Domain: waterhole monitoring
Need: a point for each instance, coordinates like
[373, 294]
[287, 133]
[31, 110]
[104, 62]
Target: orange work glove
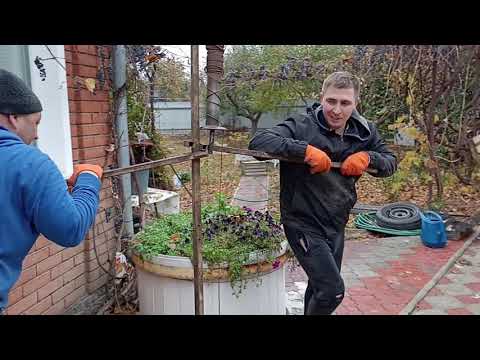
[78, 169]
[355, 164]
[317, 159]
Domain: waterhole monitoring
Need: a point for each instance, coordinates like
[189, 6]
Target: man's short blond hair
[342, 80]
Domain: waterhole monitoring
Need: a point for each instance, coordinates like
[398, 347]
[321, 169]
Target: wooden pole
[196, 201]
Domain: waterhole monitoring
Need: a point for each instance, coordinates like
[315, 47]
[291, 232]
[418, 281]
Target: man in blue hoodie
[34, 196]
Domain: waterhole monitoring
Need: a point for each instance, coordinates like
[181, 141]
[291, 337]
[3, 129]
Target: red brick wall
[54, 278]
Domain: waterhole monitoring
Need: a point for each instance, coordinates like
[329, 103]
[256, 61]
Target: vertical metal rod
[196, 203]
[121, 123]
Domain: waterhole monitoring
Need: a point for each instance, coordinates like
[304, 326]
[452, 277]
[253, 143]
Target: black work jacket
[321, 203]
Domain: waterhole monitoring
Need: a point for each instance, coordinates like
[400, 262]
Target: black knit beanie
[15, 96]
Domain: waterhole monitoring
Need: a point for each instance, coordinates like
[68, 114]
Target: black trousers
[321, 259]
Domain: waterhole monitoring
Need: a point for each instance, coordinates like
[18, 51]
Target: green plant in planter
[230, 235]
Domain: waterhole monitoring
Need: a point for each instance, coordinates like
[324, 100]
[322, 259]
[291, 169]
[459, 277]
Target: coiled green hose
[367, 221]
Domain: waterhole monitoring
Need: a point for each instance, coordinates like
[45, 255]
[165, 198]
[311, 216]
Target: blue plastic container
[433, 233]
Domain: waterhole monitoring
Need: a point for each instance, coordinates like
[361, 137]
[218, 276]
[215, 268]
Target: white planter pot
[165, 287]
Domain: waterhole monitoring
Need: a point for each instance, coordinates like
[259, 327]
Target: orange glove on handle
[317, 159]
[355, 164]
[78, 169]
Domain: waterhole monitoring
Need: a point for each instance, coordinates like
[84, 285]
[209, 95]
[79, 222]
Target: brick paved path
[458, 292]
[381, 275]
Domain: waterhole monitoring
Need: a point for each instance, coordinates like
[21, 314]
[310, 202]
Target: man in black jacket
[315, 200]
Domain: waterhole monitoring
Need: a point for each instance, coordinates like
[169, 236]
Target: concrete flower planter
[165, 287]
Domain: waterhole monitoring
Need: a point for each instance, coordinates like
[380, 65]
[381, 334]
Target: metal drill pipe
[263, 155]
[196, 182]
[153, 164]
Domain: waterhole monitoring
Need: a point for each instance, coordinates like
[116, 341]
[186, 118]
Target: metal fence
[174, 117]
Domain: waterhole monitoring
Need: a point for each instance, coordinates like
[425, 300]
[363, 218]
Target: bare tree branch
[55, 58]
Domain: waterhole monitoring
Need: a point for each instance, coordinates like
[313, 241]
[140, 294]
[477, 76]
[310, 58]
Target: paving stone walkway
[381, 275]
[458, 292]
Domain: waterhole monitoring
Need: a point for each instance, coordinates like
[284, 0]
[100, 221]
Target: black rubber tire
[399, 216]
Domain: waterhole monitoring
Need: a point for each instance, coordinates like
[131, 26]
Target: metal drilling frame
[199, 151]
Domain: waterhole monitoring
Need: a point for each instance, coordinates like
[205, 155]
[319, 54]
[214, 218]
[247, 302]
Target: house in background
[76, 127]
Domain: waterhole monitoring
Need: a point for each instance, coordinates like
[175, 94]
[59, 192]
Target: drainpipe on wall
[121, 125]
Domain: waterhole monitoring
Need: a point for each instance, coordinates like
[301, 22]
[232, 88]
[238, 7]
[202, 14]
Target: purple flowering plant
[231, 236]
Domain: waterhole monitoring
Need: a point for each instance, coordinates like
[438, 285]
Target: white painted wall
[54, 129]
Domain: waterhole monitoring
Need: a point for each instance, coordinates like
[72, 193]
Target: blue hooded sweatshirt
[34, 200]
